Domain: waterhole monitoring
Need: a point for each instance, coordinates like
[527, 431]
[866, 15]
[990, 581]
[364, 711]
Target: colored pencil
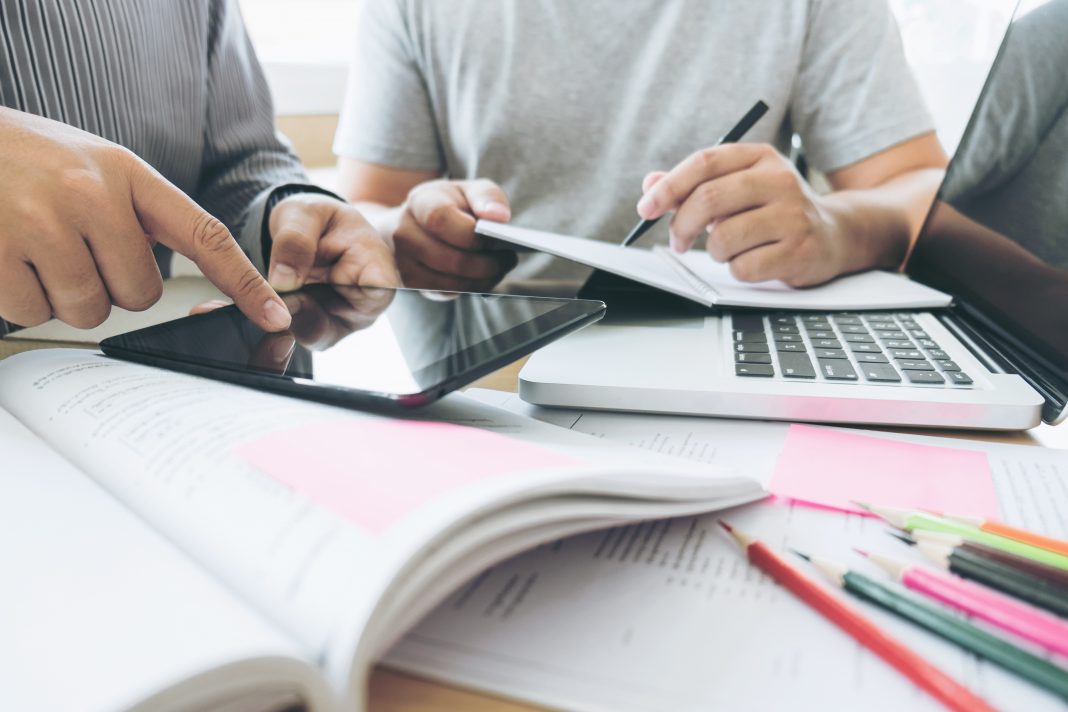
[733, 136]
[969, 565]
[1011, 532]
[1050, 575]
[980, 602]
[904, 519]
[925, 675]
[912, 608]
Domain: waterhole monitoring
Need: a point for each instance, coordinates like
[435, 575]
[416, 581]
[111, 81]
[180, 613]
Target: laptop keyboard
[877, 348]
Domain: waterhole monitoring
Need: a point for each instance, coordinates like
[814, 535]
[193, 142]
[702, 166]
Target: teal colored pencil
[904, 519]
[899, 601]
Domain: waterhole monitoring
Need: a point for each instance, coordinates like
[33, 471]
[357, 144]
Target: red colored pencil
[929, 678]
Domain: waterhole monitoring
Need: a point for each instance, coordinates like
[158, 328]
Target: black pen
[733, 136]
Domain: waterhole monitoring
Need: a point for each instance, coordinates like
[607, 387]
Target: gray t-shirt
[567, 104]
[1011, 171]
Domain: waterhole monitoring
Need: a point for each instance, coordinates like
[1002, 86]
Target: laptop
[995, 358]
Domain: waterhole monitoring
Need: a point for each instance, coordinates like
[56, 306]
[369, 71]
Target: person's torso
[590, 96]
[130, 71]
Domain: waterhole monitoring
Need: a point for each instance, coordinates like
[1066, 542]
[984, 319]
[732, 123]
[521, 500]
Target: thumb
[652, 179]
[171, 218]
[487, 200]
[296, 227]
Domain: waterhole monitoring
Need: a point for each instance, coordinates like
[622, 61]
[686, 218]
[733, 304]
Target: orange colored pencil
[1010, 532]
[925, 675]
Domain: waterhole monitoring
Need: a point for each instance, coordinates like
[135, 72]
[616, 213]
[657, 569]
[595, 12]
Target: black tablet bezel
[488, 356]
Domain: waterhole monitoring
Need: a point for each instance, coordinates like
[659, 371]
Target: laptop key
[923, 377]
[751, 348]
[753, 369]
[859, 339]
[881, 318]
[747, 322]
[865, 348]
[895, 335]
[750, 337]
[785, 329]
[948, 366]
[831, 353]
[795, 365]
[853, 328]
[752, 358]
[915, 365]
[847, 319]
[882, 372]
[938, 355]
[787, 338]
[885, 326]
[961, 379]
[928, 344]
[826, 343]
[814, 317]
[822, 334]
[895, 344]
[919, 334]
[871, 358]
[911, 355]
[790, 347]
[783, 319]
[837, 370]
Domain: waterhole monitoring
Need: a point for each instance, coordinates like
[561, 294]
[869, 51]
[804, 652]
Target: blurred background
[305, 48]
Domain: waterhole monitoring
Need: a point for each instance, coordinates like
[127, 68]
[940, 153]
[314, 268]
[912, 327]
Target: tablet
[361, 347]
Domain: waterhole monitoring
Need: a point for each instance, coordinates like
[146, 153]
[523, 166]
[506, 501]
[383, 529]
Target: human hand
[435, 239]
[317, 238]
[80, 217]
[760, 215]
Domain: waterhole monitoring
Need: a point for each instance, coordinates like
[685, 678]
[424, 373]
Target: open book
[173, 543]
[696, 276]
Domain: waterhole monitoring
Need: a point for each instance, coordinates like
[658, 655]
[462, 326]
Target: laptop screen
[997, 236]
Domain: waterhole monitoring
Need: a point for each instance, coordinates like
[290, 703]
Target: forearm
[877, 226]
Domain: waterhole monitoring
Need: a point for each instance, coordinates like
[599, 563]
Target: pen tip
[806, 557]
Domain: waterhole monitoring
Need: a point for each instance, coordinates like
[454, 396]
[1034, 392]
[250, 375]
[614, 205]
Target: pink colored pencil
[999, 610]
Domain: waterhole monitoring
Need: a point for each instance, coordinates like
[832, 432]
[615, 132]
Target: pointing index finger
[673, 189]
[171, 217]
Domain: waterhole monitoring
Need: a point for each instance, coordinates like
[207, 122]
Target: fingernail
[276, 315]
[499, 209]
[676, 245]
[646, 206]
[284, 278]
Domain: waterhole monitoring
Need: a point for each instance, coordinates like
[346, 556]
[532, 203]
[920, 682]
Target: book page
[99, 612]
[869, 290]
[172, 448]
[669, 615]
[636, 263]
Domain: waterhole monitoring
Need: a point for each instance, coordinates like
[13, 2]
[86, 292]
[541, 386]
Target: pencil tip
[862, 505]
[861, 552]
[806, 557]
[903, 538]
[726, 526]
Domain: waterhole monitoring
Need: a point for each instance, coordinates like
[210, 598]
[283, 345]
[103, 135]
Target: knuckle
[249, 281]
[742, 270]
[710, 194]
[82, 184]
[707, 158]
[144, 297]
[210, 236]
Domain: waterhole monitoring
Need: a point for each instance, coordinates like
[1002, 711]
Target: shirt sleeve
[855, 94]
[245, 158]
[388, 116]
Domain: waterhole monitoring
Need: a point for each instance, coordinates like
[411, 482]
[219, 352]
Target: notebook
[694, 275]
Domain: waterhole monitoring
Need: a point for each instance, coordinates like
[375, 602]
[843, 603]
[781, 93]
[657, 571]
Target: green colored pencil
[904, 519]
[901, 602]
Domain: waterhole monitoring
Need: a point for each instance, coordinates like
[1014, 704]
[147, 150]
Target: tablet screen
[381, 341]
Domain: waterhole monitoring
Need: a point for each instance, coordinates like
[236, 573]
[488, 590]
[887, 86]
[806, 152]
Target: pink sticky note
[374, 473]
[830, 468]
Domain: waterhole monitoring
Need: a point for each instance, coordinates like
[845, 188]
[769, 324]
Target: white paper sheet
[668, 615]
[99, 612]
[696, 276]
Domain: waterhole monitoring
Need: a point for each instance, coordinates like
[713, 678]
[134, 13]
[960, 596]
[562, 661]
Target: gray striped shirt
[175, 81]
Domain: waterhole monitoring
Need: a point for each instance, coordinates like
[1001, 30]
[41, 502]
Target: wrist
[867, 235]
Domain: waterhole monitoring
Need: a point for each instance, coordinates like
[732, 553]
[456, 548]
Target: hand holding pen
[760, 215]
